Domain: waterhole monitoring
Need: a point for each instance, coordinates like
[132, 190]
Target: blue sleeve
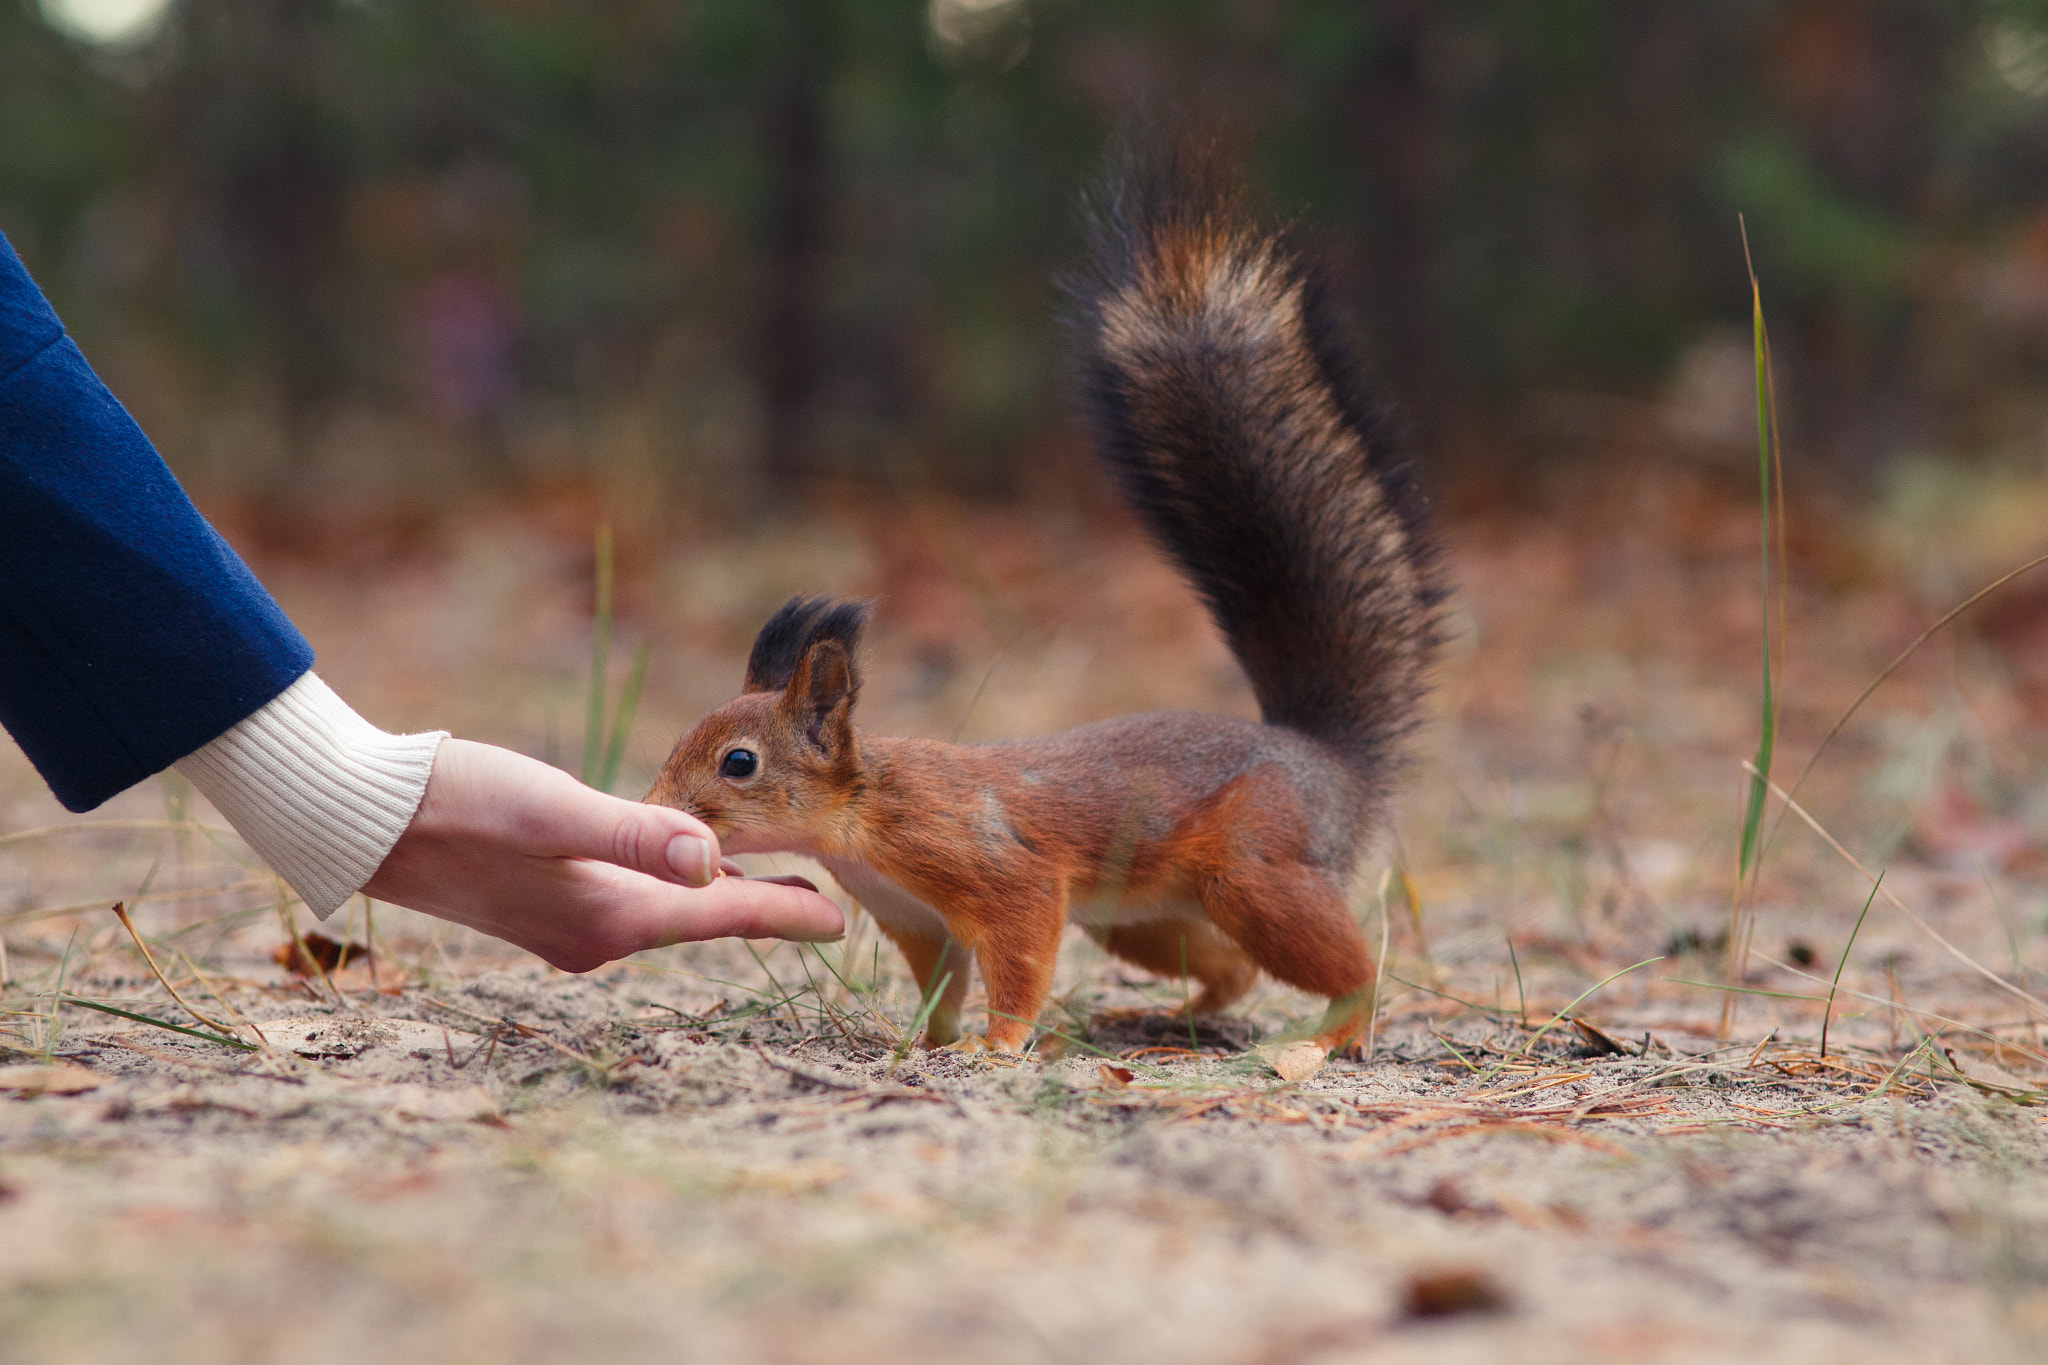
[130, 634]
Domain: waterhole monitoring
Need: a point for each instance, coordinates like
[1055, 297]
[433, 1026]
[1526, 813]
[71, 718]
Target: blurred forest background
[391, 250]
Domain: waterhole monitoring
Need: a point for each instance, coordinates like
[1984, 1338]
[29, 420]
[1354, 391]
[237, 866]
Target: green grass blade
[1926, 1045]
[70, 999]
[1828, 1014]
[924, 1014]
[1767, 735]
[622, 723]
[788, 995]
[1470, 1065]
[1741, 909]
[866, 999]
[600, 656]
[1521, 996]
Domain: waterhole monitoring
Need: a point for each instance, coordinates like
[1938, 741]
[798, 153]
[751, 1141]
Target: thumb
[658, 840]
[541, 810]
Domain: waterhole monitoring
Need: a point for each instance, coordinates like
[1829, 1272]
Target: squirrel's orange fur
[1181, 842]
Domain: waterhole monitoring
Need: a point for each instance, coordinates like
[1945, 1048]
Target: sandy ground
[447, 1152]
[590, 1176]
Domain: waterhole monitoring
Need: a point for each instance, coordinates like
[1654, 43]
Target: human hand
[524, 852]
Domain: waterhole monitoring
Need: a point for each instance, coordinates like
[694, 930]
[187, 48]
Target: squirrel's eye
[739, 763]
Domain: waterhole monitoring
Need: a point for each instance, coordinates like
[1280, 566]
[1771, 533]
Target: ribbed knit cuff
[317, 791]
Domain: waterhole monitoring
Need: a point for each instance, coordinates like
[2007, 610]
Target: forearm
[317, 791]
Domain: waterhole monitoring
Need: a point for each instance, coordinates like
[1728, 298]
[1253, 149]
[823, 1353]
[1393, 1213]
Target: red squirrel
[1190, 844]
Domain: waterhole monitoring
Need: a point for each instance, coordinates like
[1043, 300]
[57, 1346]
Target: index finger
[749, 907]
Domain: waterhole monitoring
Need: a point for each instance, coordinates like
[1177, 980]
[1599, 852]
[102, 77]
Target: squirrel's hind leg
[1193, 949]
[1245, 859]
[1295, 922]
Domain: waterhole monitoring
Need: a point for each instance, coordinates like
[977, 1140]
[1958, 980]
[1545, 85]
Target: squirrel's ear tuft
[790, 633]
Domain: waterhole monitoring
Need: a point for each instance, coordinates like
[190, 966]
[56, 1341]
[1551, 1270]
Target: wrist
[318, 792]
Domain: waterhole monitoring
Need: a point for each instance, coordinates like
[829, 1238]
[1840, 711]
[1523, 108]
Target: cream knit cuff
[317, 791]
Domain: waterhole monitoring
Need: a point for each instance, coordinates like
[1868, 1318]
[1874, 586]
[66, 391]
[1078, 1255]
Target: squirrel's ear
[820, 695]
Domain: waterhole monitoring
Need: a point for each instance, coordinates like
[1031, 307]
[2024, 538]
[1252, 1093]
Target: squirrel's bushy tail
[1238, 428]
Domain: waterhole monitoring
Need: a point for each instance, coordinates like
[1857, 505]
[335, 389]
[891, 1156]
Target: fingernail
[690, 858]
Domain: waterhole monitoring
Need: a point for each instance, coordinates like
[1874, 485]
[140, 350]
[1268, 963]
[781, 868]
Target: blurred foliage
[777, 237]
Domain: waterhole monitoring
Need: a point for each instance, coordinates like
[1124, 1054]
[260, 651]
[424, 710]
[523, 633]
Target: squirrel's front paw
[972, 1042]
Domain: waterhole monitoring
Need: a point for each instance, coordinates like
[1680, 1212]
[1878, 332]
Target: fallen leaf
[58, 1078]
[1451, 1291]
[1115, 1077]
[1995, 1080]
[312, 954]
[1448, 1198]
[1597, 1041]
[1294, 1061]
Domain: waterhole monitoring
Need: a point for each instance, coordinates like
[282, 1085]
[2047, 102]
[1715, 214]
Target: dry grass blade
[865, 997]
[967, 712]
[1372, 1019]
[1901, 1007]
[1565, 1013]
[1747, 990]
[50, 912]
[1884, 674]
[115, 826]
[121, 913]
[299, 951]
[1877, 889]
[1526, 1087]
[1411, 899]
[1905, 1062]
[604, 1071]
